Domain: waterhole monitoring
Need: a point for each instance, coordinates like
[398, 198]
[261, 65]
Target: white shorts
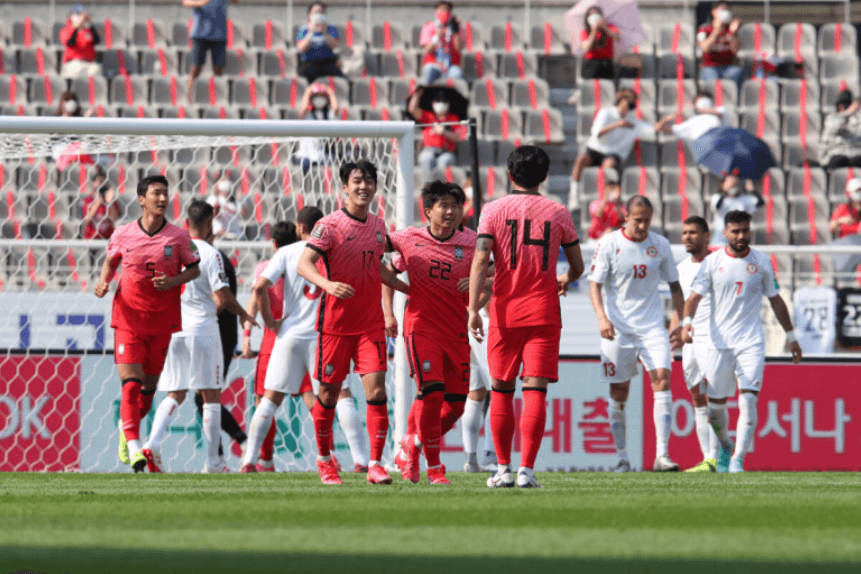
[727, 368]
[193, 362]
[479, 372]
[619, 356]
[694, 360]
[291, 359]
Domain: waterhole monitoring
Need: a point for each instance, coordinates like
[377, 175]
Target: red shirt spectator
[602, 49]
[723, 53]
[441, 38]
[606, 216]
[79, 37]
[431, 138]
[99, 223]
[840, 219]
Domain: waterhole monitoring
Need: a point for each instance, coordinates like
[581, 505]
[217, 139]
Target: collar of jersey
[726, 250]
[625, 235]
[524, 192]
[440, 239]
[154, 233]
[351, 216]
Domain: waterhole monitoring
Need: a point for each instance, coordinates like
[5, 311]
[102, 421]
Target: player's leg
[472, 419]
[618, 366]
[504, 356]
[266, 461]
[351, 424]
[206, 373]
[657, 360]
[456, 385]
[369, 356]
[259, 428]
[719, 386]
[332, 364]
[749, 369]
[694, 379]
[173, 363]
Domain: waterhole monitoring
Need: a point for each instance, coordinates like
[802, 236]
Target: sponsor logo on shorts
[426, 366]
[330, 368]
[379, 237]
[752, 268]
[458, 252]
[652, 251]
[121, 350]
[168, 250]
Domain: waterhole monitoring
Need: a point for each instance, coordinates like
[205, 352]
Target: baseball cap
[853, 188]
[79, 9]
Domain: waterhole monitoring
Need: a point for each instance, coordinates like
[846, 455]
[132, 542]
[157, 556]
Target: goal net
[64, 182]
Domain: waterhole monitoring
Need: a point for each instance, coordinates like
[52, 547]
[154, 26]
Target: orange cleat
[248, 467]
[357, 468]
[378, 475]
[328, 474]
[265, 466]
[411, 453]
[436, 475]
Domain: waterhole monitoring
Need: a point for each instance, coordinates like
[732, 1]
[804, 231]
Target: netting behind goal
[59, 391]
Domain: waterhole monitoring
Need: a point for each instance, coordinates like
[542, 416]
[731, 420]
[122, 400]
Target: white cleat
[470, 466]
[527, 480]
[220, 468]
[503, 479]
[622, 466]
[665, 464]
[736, 465]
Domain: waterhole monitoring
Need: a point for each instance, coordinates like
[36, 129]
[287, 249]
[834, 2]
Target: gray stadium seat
[39, 60]
[179, 34]
[399, 63]
[172, 90]
[795, 155]
[494, 182]
[508, 38]
[530, 93]
[30, 32]
[370, 92]
[806, 210]
[489, 93]
[47, 90]
[544, 126]
[669, 66]
[792, 93]
[253, 92]
[119, 62]
[839, 67]
[837, 182]
[596, 94]
[268, 35]
[287, 93]
[675, 38]
[791, 130]
[480, 64]
[389, 36]
[668, 93]
[474, 36]
[13, 90]
[129, 91]
[212, 91]
[8, 60]
[758, 93]
[237, 35]
[830, 90]
[137, 111]
[548, 41]
[647, 97]
[159, 61]
[795, 178]
[91, 91]
[520, 65]
[797, 41]
[114, 33]
[259, 113]
[241, 62]
[503, 125]
[724, 92]
[353, 35]
[279, 63]
[837, 39]
[756, 37]
[150, 33]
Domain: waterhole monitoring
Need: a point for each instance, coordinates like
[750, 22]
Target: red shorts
[260, 372]
[150, 351]
[306, 386]
[334, 353]
[432, 359]
[536, 347]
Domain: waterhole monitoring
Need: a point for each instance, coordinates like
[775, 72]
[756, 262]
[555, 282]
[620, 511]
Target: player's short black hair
[638, 201]
[309, 216]
[444, 3]
[367, 168]
[284, 233]
[199, 212]
[147, 181]
[736, 216]
[699, 221]
[320, 4]
[528, 166]
[435, 190]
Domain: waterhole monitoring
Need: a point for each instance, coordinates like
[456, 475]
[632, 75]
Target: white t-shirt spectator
[722, 204]
[695, 127]
[619, 141]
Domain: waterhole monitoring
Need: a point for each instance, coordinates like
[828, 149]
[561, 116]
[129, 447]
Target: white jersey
[631, 272]
[300, 297]
[688, 270]
[199, 312]
[736, 285]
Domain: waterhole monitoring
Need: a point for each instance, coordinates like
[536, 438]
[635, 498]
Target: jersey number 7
[528, 240]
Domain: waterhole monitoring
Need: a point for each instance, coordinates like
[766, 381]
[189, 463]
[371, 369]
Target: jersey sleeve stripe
[572, 244]
[315, 248]
[389, 242]
[485, 236]
[193, 264]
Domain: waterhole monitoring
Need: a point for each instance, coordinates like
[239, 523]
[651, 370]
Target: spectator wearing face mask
[846, 218]
[707, 117]
[614, 132]
[316, 42]
[318, 103]
[99, 209]
[70, 107]
[442, 44]
[596, 41]
[732, 197]
[79, 40]
[840, 142]
[719, 43]
[439, 140]
[227, 210]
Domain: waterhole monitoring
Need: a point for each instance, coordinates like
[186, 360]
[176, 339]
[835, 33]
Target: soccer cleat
[722, 464]
[265, 465]
[436, 475]
[471, 466]
[328, 472]
[153, 459]
[526, 480]
[411, 453]
[357, 468]
[336, 462]
[708, 465]
[489, 458]
[378, 475]
[501, 479]
[220, 468]
[665, 464]
[124, 446]
[736, 465]
[248, 468]
[622, 466]
[139, 462]
[400, 459]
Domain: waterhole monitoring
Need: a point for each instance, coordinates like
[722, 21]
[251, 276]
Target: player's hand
[624, 124]
[162, 282]
[339, 290]
[245, 318]
[247, 353]
[275, 326]
[795, 349]
[562, 283]
[607, 329]
[676, 341]
[102, 289]
[734, 25]
[463, 284]
[391, 326]
[476, 326]
[687, 334]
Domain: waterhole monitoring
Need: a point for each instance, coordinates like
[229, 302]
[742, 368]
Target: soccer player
[524, 231]
[146, 308]
[630, 264]
[695, 238]
[195, 359]
[348, 244]
[736, 279]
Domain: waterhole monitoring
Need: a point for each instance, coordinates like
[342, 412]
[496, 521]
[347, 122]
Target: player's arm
[604, 324]
[308, 270]
[678, 309]
[575, 268]
[109, 270]
[389, 307]
[251, 309]
[778, 305]
[477, 277]
[162, 282]
[226, 300]
[689, 312]
[260, 296]
[389, 278]
[486, 293]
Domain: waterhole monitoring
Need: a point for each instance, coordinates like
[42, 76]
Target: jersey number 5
[528, 240]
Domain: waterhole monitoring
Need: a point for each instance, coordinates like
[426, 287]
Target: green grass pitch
[579, 522]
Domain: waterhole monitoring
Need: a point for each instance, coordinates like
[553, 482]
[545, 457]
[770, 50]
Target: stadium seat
[839, 67]
[212, 91]
[128, 91]
[474, 36]
[837, 39]
[353, 35]
[389, 36]
[645, 154]
[241, 62]
[520, 65]
[41, 61]
[798, 184]
[763, 124]
[91, 90]
[113, 33]
[756, 38]
[799, 94]
[808, 220]
[8, 60]
[489, 94]
[796, 41]
[546, 40]
[675, 153]
[639, 62]
[46, 90]
[644, 181]
[508, 38]
[756, 94]
[480, 64]
[591, 186]
[370, 92]
[451, 174]
[263, 112]
[385, 114]
[341, 87]
[118, 62]
[669, 93]
[530, 93]
[19, 110]
[770, 223]
[237, 35]
[287, 93]
[503, 124]
[494, 182]
[13, 90]
[179, 34]
[400, 90]
[682, 196]
[252, 92]
[675, 66]
[30, 32]
[830, 90]
[596, 94]
[794, 155]
[792, 127]
[724, 92]
[837, 183]
[159, 61]
[279, 63]
[171, 90]
[137, 111]
[268, 35]
[675, 38]
[544, 126]
[399, 63]
[462, 86]
[150, 33]
[812, 270]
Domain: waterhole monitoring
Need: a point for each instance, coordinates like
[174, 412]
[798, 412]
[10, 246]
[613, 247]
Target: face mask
[443, 17]
[724, 16]
[593, 19]
[319, 102]
[704, 104]
[70, 106]
[734, 191]
[224, 186]
[440, 108]
[856, 197]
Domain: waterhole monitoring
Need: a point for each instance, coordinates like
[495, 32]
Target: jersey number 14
[528, 240]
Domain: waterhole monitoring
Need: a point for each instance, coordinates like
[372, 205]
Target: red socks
[145, 401]
[429, 423]
[502, 423]
[413, 417]
[532, 424]
[323, 418]
[377, 419]
[267, 449]
[130, 410]
[452, 410]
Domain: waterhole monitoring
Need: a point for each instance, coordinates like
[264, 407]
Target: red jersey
[276, 304]
[842, 211]
[138, 306]
[721, 54]
[84, 47]
[101, 226]
[436, 306]
[611, 217]
[527, 231]
[430, 139]
[602, 49]
[351, 250]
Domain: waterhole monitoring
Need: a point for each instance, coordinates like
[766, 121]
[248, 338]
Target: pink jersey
[138, 306]
[527, 231]
[351, 250]
[276, 304]
[436, 308]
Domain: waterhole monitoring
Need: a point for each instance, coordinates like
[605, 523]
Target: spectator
[614, 131]
[840, 143]
[69, 106]
[707, 117]
[316, 41]
[608, 213]
[208, 34]
[439, 140]
[79, 39]
[732, 197]
[846, 218]
[227, 210]
[318, 103]
[99, 209]
[719, 43]
[442, 44]
[596, 40]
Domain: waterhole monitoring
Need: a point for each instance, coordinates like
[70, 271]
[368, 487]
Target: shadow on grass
[52, 560]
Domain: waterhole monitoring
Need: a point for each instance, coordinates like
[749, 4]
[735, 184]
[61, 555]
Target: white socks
[472, 419]
[662, 413]
[746, 424]
[573, 199]
[617, 428]
[719, 419]
[258, 429]
[351, 424]
[165, 411]
[211, 430]
[134, 447]
[701, 414]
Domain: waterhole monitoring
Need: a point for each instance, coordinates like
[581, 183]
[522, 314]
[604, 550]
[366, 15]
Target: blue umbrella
[726, 150]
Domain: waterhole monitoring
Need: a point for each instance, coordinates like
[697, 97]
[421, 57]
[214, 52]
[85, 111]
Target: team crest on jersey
[458, 252]
[168, 251]
[426, 366]
[652, 251]
[122, 349]
[379, 237]
[752, 268]
[330, 368]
